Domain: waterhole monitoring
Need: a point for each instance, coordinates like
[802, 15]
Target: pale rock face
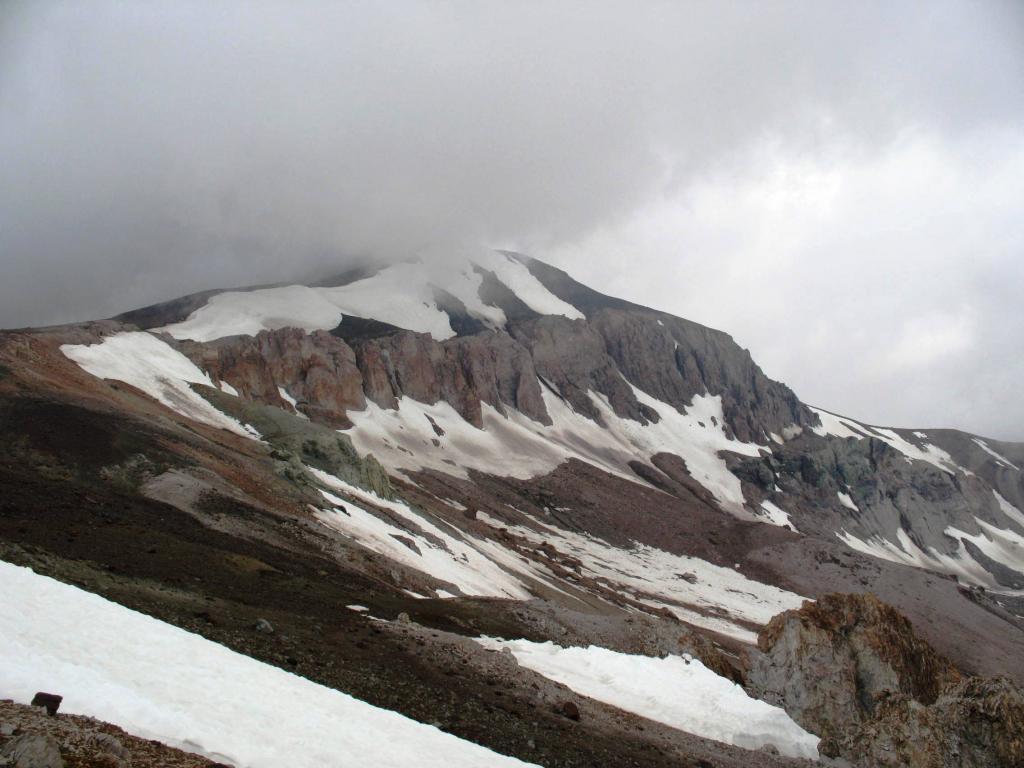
[829, 663]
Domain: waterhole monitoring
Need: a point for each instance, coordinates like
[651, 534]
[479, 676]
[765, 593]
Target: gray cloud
[149, 150]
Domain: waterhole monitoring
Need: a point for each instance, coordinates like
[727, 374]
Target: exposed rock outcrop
[571, 356]
[851, 669]
[32, 750]
[489, 367]
[316, 369]
[978, 723]
[830, 661]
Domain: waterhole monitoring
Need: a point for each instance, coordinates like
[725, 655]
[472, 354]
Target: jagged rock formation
[852, 669]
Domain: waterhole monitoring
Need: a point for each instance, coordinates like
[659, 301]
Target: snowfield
[162, 372]
[715, 598]
[456, 560]
[677, 690]
[161, 682]
[905, 551]
[516, 446]
[402, 295]
[841, 426]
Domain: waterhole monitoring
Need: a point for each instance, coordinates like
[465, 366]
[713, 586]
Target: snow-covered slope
[404, 295]
[146, 362]
[158, 681]
[513, 369]
[678, 691]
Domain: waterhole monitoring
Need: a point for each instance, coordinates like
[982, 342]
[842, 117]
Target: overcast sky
[838, 185]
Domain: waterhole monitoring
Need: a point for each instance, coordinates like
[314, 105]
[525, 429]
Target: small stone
[264, 626]
[403, 618]
[50, 701]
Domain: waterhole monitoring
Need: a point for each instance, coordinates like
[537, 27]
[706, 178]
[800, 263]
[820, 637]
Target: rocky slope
[492, 448]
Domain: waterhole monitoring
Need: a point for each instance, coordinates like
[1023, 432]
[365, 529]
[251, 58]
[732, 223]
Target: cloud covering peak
[151, 150]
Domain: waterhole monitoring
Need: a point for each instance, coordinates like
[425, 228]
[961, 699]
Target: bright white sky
[839, 185]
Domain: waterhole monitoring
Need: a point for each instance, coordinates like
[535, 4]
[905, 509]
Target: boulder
[32, 750]
[829, 662]
[851, 669]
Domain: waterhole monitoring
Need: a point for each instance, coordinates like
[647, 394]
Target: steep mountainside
[491, 449]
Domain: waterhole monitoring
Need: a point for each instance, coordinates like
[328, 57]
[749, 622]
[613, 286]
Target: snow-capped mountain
[522, 369]
[504, 455]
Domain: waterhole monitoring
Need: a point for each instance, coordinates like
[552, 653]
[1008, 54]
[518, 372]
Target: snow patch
[1009, 510]
[403, 295]
[997, 456]
[160, 682]
[153, 366]
[531, 291]
[694, 590]
[1001, 544]
[840, 426]
[678, 691]
[515, 445]
[453, 560]
[906, 552]
[847, 501]
[776, 516]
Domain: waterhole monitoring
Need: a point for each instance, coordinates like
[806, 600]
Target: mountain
[486, 448]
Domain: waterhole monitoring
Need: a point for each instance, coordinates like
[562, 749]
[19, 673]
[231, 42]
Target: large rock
[850, 669]
[571, 356]
[830, 662]
[32, 750]
[316, 369]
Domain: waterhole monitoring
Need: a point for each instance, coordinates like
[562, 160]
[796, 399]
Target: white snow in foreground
[841, 426]
[694, 590]
[402, 295]
[676, 690]
[144, 361]
[161, 682]
[997, 456]
[450, 558]
[516, 446]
